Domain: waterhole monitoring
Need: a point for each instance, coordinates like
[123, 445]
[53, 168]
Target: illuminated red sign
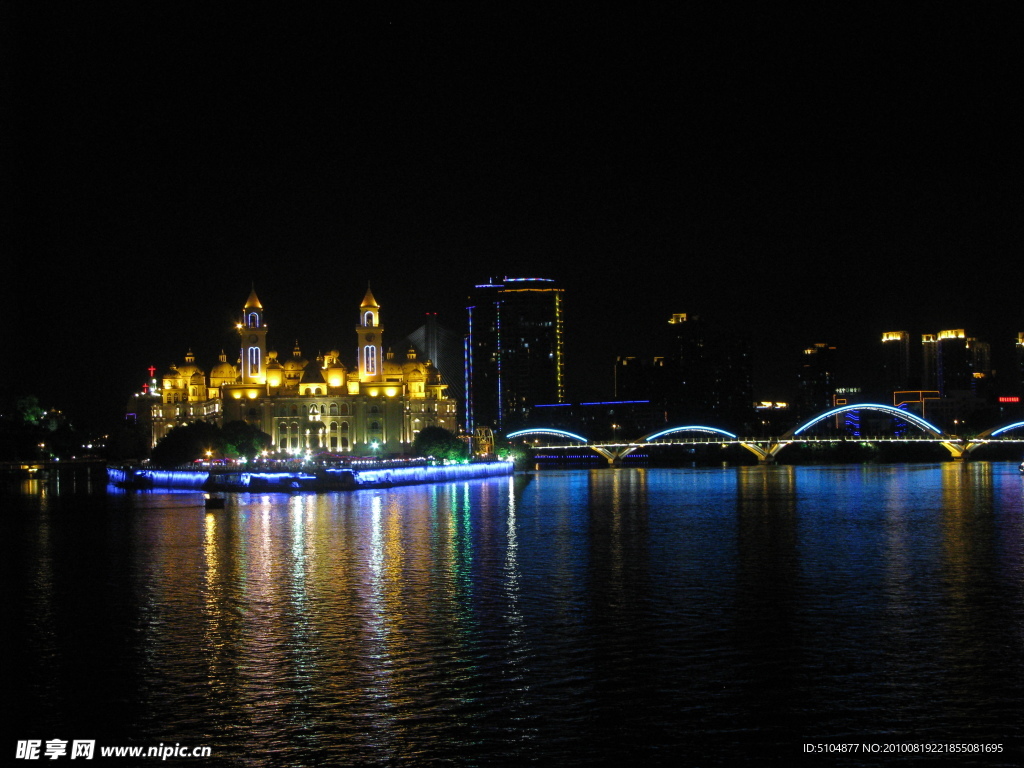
[1009, 399]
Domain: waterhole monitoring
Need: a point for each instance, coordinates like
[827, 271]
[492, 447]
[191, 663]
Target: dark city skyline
[799, 178]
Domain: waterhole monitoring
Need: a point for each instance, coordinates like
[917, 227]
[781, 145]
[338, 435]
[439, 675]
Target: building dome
[413, 370]
[390, 367]
[296, 362]
[223, 371]
[189, 368]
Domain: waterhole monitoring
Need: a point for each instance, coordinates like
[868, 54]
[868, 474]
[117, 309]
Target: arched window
[370, 359]
[254, 361]
[375, 426]
[367, 318]
[334, 409]
[253, 320]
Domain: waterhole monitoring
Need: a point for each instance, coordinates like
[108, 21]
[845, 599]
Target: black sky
[804, 177]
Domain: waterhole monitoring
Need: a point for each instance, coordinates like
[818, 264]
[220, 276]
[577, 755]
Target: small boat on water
[213, 502]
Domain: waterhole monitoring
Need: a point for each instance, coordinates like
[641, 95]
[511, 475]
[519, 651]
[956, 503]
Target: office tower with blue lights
[513, 351]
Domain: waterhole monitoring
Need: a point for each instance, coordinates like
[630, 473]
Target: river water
[696, 617]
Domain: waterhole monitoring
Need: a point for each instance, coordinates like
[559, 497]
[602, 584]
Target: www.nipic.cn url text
[85, 749]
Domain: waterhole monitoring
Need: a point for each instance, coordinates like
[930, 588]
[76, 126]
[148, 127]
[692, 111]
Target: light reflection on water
[699, 616]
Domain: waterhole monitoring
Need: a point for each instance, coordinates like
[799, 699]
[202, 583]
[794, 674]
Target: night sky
[801, 177]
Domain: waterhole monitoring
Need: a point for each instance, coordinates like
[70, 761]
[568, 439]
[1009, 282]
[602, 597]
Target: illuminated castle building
[376, 407]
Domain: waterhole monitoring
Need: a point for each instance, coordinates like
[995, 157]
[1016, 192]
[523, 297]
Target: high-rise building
[442, 347]
[896, 360]
[963, 363]
[929, 361]
[953, 361]
[817, 380]
[514, 351]
[712, 369]
[1019, 364]
[703, 374]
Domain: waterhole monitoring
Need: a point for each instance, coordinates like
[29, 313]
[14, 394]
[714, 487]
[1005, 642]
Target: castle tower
[252, 332]
[369, 333]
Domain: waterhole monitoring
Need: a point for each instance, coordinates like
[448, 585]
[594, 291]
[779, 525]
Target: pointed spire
[253, 302]
[368, 301]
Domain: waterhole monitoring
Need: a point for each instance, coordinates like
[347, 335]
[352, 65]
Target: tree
[29, 410]
[438, 443]
[509, 451]
[187, 443]
[239, 438]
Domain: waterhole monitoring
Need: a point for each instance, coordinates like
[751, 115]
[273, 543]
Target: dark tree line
[200, 439]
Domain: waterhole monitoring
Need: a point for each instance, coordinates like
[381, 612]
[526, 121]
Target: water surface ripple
[686, 617]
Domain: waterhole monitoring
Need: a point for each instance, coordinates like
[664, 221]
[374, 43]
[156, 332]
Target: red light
[1009, 399]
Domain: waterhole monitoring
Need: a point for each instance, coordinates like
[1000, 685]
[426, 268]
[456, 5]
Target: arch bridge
[767, 449]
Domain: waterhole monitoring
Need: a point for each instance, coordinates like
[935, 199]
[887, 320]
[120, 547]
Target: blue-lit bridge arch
[906, 416]
[610, 455]
[932, 431]
[767, 449]
[996, 431]
[958, 447]
[614, 452]
[688, 428]
[548, 432]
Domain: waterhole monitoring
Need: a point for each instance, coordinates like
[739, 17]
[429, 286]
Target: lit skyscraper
[1019, 361]
[817, 380]
[514, 351]
[964, 364]
[896, 360]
